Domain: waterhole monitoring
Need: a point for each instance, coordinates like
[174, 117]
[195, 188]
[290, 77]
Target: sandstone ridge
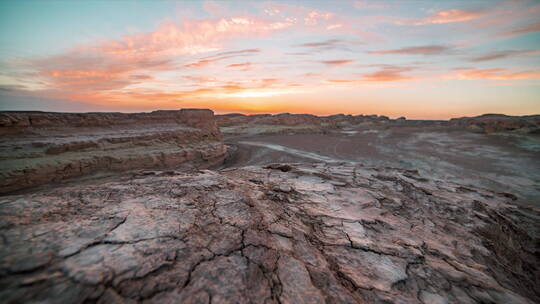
[284, 233]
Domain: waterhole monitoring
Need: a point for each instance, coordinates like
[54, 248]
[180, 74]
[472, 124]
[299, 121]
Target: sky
[418, 59]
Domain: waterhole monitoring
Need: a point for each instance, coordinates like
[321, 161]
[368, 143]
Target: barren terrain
[338, 210]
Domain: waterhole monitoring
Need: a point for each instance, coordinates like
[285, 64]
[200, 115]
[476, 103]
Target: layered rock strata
[40, 147]
[285, 233]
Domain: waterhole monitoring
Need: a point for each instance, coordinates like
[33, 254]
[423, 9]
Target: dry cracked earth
[283, 233]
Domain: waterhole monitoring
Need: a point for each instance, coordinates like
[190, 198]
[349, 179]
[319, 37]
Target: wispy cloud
[199, 79]
[208, 60]
[244, 66]
[337, 62]
[235, 53]
[389, 73]
[446, 16]
[325, 43]
[496, 74]
[192, 37]
[417, 50]
[521, 30]
[117, 64]
[76, 71]
[503, 54]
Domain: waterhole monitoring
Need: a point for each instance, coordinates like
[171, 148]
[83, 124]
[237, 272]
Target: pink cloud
[446, 16]
[110, 64]
[200, 79]
[389, 73]
[80, 71]
[192, 37]
[314, 17]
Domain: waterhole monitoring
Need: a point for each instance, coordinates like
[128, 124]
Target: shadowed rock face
[285, 233]
[40, 147]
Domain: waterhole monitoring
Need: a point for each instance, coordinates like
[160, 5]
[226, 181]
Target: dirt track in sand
[500, 163]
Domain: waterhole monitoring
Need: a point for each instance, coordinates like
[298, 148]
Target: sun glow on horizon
[307, 57]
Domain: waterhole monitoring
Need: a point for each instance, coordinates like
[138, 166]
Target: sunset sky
[419, 59]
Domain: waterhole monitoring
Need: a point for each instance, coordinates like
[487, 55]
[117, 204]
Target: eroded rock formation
[239, 124]
[492, 123]
[285, 233]
[40, 147]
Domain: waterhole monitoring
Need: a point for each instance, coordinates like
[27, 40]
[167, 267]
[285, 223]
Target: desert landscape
[198, 208]
[269, 151]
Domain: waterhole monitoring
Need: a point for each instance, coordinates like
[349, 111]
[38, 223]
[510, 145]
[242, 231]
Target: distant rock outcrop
[239, 124]
[236, 124]
[285, 233]
[492, 123]
[41, 147]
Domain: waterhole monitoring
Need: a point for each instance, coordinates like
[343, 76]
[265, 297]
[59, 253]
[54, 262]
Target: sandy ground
[504, 163]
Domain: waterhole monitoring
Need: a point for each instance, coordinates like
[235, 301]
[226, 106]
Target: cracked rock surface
[285, 233]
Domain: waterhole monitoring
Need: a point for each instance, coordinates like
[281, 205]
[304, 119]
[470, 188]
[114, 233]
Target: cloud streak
[416, 50]
[497, 74]
[326, 43]
[522, 30]
[503, 54]
[337, 62]
[445, 16]
[390, 73]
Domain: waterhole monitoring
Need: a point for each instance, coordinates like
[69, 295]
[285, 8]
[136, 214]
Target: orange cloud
[114, 64]
[390, 73]
[200, 79]
[496, 74]
[417, 50]
[193, 37]
[387, 73]
[75, 71]
[447, 16]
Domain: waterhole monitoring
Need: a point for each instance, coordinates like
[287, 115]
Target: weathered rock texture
[282, 234]
[41, 147]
